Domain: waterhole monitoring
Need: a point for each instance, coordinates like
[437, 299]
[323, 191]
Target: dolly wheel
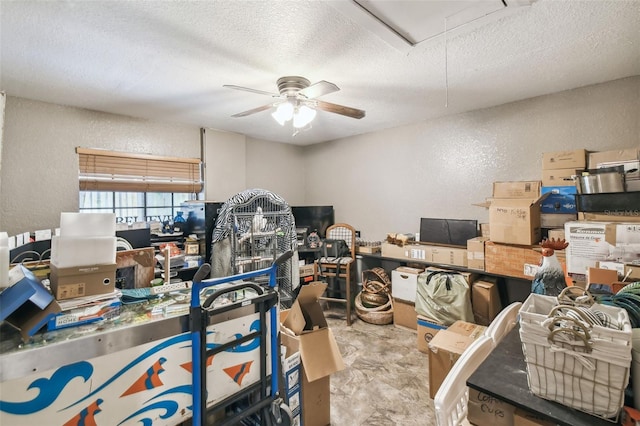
[281, 414]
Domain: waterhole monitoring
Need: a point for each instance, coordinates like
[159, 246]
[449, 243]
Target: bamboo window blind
[101, 170]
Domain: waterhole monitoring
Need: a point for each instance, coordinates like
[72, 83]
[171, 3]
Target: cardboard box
[408, 251]
[488, 410]
[291, 382]
[561, 199]
[447, 256]
[404, 314]
[556, 220]
[315, 396]
[307, 270]
[576, 159]
[622, 233]
[587, 245]
[368, 249]
[404, 281]
[601, 276]
[446, 347]
[79, 281]
[517, 189]
[304, 328]
[629, 216]
[427, 328]
[515, 221]
[484, 230]
[628, 158]
[558, 177]
[485, 300]
[515, 261]
[475, 253]
[526, 418]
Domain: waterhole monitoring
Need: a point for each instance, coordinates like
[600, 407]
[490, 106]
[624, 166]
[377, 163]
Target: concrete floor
[386, 379]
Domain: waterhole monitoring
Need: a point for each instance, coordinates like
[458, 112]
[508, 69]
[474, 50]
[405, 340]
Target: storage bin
[583, 367]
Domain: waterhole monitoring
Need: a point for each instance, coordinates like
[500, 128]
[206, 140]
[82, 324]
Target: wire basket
[572, 361]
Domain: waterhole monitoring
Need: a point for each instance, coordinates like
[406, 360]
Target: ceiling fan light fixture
[303, 116]
[283, 113]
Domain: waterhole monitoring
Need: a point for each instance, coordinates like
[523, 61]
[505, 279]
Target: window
[131, 207]
[136, 187]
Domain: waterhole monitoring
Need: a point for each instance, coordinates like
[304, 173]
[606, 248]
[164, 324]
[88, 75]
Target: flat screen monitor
[314, 217]
[454, 232]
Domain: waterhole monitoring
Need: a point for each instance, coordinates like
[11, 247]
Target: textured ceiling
[168, 60]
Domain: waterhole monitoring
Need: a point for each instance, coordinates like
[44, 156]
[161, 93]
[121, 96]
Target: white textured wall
[380, 182]
[224, 164]
[386, 181]
[40, 166]
[277, 167]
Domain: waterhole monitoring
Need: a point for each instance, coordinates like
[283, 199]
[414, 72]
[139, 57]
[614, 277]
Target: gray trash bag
[444, 296]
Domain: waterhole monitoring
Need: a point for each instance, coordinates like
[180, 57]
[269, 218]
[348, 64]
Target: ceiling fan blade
[318, 89]
[340, 109]
[253, 111]
[246, 89]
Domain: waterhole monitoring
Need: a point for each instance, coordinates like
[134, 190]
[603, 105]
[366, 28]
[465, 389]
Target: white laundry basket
[575, 363]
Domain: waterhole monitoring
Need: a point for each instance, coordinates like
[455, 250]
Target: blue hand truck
[266, 404]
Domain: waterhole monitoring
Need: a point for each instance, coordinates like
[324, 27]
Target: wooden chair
[342, 268]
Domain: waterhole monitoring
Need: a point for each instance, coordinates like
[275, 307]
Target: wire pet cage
[253, 229]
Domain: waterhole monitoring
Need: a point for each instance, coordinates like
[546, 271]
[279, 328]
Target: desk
[503, 375]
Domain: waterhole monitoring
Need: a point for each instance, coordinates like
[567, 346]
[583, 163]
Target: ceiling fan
[297, 100]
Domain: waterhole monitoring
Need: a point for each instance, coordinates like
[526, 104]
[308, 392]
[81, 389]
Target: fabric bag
[333, 249]
[444, 296]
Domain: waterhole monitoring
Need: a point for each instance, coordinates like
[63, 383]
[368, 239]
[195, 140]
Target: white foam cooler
[82, 251]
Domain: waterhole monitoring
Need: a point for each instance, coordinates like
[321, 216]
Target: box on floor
[427, 328]
[403, 283]
[446, 347]
[404, 314]
[304, 329]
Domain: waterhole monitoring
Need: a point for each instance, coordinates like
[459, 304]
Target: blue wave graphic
[248, 346]
[178, 339]
[165, 344]
[169, 407]
[50, 389]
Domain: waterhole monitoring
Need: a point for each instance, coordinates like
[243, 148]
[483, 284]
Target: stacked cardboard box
[304, 330]
[592, 242]
[629, 159]
[446, 347]
[514, 212]
[558, 170]
[515, 261]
